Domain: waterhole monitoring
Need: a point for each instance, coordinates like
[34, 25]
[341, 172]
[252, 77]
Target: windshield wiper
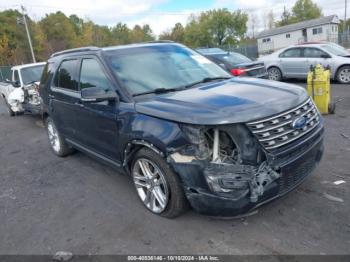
[159, 91]
[167, 90]
[206, 80]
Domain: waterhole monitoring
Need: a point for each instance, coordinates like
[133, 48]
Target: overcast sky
[160, 14]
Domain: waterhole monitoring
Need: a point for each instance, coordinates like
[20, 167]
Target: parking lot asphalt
[75, 204]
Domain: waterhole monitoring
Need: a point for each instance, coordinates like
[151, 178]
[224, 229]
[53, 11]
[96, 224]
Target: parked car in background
[181, 127]
[295, 61]
[20, 93]
[234, 63]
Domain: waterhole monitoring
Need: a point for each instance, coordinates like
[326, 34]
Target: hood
[232, 101]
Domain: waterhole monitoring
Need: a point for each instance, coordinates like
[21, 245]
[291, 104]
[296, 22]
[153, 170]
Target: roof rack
[74, 50]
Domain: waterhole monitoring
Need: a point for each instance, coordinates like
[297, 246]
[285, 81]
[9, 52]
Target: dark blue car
[184, 131]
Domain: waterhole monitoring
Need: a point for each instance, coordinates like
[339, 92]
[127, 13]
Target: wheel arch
[337, 70]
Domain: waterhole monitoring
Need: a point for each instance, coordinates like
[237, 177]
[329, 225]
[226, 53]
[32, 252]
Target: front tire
[157, 186]
[274, 73]
[9, 110]
[343, 75]
[57, 142]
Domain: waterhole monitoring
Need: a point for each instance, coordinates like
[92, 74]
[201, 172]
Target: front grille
[291, 178]
[277, 131]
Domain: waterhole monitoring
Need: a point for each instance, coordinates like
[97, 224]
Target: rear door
[65, 97]
[316, 56]
[293, 63]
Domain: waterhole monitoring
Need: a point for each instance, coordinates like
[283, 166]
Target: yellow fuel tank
[319, 88]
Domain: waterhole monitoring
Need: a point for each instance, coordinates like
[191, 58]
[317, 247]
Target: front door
[97, 121]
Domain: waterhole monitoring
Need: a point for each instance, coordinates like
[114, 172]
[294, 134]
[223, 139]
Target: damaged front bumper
[231, 190]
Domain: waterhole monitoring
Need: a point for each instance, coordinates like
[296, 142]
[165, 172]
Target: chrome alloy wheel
[344, 75]
[53, 136]
[150, 185]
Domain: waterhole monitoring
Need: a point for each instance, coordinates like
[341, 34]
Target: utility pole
[28, 35]
[346, 5]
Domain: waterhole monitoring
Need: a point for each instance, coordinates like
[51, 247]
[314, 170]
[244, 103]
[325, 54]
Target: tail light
[238, 71]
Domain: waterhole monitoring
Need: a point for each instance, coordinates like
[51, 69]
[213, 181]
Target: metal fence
[5, 73]
[250, 50]
[344, 39]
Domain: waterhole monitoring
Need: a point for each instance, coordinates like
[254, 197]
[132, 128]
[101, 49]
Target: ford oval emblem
[299, 123]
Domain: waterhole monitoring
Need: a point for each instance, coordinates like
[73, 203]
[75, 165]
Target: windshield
[31, 74]
[336, 49]
[150, 68]
[234, 58]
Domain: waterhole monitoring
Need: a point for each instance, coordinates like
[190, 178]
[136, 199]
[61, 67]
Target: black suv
[181, 127]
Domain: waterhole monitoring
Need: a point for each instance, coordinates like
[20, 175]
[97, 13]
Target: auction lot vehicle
[21, 92]
[295, 61]
[181, 127]
[235, 63]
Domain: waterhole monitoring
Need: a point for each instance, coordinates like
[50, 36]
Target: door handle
[79, 103]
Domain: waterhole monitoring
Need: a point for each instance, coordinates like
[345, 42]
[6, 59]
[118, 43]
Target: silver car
[295, 61]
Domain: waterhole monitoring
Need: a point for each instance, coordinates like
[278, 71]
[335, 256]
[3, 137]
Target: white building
[320, 29]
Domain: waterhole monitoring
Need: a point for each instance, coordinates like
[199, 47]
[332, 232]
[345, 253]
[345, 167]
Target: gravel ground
[76, 204]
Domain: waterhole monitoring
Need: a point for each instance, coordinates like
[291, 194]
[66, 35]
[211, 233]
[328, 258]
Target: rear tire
[274, 73]
[153, 180]
[58, 145]
[343, 75]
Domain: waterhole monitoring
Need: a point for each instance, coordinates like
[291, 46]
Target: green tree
[216, 27]
[176, 34]
[121, 34]
[301, 11]
[141, 34]
[305, 10]
[59, 31]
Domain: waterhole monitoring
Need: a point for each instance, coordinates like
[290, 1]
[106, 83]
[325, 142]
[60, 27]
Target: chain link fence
[344, 39]
[5, 73]
[249, 50]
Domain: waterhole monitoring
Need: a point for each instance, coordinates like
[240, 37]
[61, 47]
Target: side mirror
[97, 94]
[325, 56]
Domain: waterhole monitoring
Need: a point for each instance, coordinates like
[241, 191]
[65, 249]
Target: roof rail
[74, 50]
[160, 41]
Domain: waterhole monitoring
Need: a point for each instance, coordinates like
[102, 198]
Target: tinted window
[144, 69]
[92, 75]
[294, 52]
[314, 52]
[65, 76]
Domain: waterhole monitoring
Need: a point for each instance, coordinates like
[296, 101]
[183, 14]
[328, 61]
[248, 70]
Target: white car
[20, 93]
[295, 61]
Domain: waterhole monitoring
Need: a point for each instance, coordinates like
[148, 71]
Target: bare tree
[253, 23]
[270, 20]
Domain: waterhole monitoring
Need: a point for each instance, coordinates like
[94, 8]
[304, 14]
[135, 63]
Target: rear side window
[294, 52]
[66, 75]
[92, 75]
